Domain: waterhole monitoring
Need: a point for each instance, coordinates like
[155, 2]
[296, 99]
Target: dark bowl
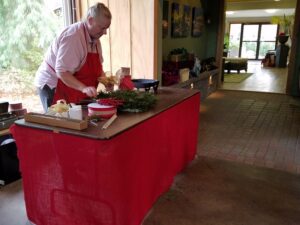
[146, 84]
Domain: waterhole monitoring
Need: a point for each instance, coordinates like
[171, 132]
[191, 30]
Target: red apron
[88, 74]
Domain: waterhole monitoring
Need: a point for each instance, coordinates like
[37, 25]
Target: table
[112, 176]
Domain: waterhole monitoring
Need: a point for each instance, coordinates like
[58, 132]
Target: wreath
[126, 100]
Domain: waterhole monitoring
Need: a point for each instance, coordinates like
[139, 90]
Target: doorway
[253, 41]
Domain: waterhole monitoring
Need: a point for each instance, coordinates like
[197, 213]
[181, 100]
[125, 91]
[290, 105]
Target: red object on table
[126, 83]
[73, 180]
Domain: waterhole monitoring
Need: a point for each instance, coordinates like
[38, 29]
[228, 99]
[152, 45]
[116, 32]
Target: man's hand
[89, 91]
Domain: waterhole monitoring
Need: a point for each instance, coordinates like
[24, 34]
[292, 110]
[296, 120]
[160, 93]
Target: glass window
[250, 33]
[268, 32]
[234, 40]
[256, 41]
[20, 60]
[249, 50]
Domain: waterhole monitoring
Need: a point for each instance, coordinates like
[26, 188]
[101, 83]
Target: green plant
[27, 28]
[226, 41]
[177, 51]
[285, 23]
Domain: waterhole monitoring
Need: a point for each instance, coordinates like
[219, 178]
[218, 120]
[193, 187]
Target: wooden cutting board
[56, 121]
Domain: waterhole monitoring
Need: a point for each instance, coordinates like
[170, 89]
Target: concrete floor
[240, 134]
[216, 192]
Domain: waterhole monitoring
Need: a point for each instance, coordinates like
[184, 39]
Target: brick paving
[261, 129]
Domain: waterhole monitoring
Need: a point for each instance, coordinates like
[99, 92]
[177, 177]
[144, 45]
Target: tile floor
[260, 129]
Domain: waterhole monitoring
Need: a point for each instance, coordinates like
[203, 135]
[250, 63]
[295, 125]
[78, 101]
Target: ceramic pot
[283, 39]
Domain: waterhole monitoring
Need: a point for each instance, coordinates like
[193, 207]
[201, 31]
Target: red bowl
[102, 111]
[19, 112]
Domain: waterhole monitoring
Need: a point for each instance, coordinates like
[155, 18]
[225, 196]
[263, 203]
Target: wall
[293, 82]
[131, 38]
[214, 10]
[192, 44]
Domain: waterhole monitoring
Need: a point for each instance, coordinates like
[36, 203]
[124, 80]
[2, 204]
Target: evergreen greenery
[27, 28]
[132, 100]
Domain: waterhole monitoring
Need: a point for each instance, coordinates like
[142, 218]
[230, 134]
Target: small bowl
[101, 111]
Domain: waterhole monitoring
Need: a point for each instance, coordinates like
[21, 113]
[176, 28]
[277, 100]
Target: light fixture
[229, 12]
[276, 0]
[271, 10]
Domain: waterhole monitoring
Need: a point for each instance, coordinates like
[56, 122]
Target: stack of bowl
[101, 111]
[17, 109]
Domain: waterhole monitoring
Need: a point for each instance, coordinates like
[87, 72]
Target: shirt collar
[89, 38]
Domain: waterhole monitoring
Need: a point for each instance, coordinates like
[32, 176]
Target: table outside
[112, 179]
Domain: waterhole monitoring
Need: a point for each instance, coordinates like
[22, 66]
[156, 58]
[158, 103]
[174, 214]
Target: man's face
[98, 26]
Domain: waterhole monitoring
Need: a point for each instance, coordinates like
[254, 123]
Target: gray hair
[97, 10]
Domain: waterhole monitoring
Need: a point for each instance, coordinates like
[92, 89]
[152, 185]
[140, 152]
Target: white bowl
[102, 111]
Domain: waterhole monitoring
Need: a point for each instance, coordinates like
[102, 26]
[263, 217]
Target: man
[73, 63]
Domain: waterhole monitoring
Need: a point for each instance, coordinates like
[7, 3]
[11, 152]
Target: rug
[235, 77]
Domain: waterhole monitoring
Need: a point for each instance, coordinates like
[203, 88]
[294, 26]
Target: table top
[166, 98]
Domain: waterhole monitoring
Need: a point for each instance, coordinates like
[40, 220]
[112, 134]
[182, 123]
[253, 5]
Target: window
[252, 41]
[267, 39]
[26, 33]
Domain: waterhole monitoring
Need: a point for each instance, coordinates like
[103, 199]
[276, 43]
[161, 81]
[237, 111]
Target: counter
[112, 176]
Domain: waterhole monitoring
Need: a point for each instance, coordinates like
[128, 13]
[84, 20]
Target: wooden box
[56, 121]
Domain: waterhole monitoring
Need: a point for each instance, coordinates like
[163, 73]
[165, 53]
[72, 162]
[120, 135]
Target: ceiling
[256, 8]
[259, 13]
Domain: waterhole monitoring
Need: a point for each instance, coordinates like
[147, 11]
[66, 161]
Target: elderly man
[73, 63]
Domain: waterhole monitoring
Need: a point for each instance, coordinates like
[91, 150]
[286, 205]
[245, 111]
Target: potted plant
[285, 25]
[283, 38]
[178, 54]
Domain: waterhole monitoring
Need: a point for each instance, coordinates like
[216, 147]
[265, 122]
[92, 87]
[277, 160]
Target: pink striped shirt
[67, 53]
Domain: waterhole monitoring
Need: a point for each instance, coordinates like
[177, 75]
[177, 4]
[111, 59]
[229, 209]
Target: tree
[27, 28]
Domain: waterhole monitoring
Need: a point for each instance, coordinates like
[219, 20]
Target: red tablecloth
[72, 180]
